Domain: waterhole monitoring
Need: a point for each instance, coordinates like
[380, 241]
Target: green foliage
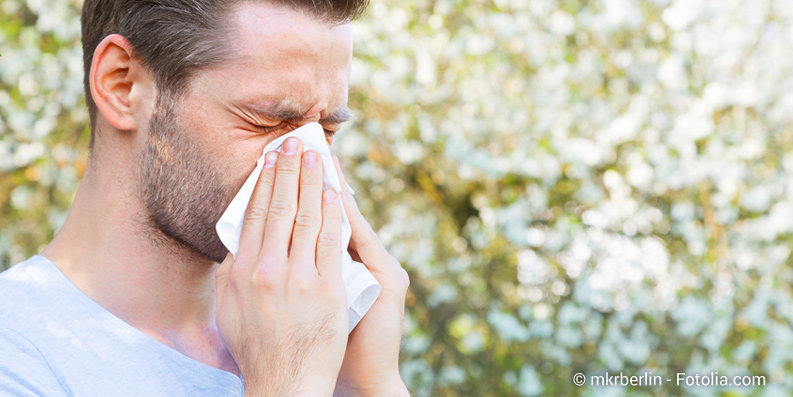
[574, 186]
[43, 132]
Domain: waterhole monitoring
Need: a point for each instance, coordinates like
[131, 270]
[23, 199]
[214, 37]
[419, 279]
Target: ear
[117, 80]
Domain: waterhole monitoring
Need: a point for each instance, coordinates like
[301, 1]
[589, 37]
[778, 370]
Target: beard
[182, 192]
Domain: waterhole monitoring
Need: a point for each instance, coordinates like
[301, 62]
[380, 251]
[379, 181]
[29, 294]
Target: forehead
[280, 54]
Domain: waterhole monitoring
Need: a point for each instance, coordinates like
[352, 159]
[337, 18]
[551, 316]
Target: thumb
[222, 275]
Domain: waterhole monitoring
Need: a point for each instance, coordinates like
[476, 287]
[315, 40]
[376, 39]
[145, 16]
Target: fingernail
[328, 196]
[269, 159]
[290, 146]
[309, 158]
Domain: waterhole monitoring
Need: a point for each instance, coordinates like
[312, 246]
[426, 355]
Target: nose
[297, 124]
[314, 114]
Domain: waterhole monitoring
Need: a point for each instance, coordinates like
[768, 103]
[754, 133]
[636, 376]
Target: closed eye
[270, 129]
[264, 129]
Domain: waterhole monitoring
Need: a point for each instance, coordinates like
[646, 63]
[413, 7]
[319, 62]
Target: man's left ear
[120, 84]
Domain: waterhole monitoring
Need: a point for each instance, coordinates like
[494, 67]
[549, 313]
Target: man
[129, 299]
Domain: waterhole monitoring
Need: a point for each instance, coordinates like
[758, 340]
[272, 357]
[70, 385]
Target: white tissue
[362, 288]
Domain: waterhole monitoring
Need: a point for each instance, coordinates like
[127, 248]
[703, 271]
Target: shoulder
[34, 301]
[24, 371]
[24, 285]
[27, 271]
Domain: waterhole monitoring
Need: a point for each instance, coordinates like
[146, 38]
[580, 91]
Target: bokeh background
[573, 185]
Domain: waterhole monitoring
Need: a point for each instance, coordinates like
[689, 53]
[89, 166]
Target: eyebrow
[338, 116]
[283, 111]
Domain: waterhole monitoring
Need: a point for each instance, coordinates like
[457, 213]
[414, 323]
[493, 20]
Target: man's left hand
[371, 361]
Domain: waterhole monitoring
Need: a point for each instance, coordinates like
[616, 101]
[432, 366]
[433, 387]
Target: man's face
[288, 69]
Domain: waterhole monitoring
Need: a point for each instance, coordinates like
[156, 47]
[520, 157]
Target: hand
[371, 362]
[282, 311]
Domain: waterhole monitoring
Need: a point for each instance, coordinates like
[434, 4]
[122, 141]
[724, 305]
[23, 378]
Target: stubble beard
[182, 193]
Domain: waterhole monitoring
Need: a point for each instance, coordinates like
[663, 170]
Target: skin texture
[136, 238]
[181, 197]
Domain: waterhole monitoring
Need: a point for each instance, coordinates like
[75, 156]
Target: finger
[367, 246]
[283, 205]
[256, 213]
[329, 241]
[350, 207]
[363, 239]
[308, 221]
[342, 181]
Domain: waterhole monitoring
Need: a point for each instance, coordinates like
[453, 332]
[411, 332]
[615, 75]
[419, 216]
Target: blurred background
[573, 185]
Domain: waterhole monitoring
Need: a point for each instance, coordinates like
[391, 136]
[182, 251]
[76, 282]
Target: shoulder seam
[63, 386]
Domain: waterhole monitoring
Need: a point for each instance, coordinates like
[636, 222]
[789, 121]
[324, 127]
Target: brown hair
[175, 38]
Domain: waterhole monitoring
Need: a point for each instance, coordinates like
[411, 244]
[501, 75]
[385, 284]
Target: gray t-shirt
[55, 341]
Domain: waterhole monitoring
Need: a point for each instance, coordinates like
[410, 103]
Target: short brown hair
[175, 38]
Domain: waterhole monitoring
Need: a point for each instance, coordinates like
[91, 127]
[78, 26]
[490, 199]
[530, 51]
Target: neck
[108, 249]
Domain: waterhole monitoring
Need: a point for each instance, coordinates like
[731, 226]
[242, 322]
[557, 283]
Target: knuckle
[303, 285]
[401, 275]
[255, 213]
[290, 166]
[306, 219]
[266, 276]
[280, 208]
[329, 240]
[267, 176]
[264, 280]
[404, 278]
[330, 209]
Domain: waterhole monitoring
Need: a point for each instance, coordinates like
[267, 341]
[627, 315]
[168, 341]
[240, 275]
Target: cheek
[236, 160]
[232, 156]
[231, 152]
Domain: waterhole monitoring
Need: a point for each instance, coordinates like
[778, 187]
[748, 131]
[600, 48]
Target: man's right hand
[282, 310]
